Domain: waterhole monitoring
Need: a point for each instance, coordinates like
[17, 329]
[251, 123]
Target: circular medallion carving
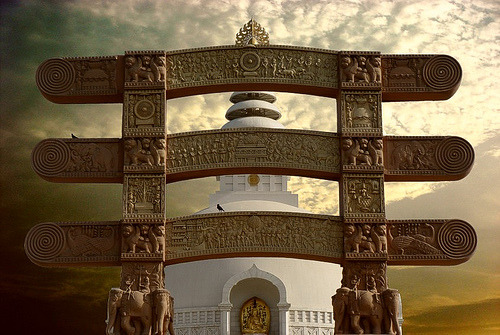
[454, 155]
[144, 109]
[457, 239]
[50, 157]
[253, 179]
[55, 76]
[44, 242]
[250, 61]
[442, 72]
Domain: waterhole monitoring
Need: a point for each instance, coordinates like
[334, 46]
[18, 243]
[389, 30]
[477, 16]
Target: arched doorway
[254, 282]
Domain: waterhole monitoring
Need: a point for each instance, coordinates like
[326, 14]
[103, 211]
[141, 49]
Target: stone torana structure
[145, 160]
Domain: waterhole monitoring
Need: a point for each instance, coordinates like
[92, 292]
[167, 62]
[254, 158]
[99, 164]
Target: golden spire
[252, 33]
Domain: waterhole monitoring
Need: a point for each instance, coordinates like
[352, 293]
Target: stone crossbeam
[289, 152]
[252, 234]
[259, 67]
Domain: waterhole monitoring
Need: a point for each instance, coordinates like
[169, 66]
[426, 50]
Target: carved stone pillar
[144, 180]
[358, 306]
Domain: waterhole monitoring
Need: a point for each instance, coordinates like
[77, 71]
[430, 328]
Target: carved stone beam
[260, 67]
[266, 234]
[289, 152]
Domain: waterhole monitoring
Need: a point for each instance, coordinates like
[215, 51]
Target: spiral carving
[457, 239]
[55, 76]
[454, 155]
[44, 242]
[50, 157]
[442, 72]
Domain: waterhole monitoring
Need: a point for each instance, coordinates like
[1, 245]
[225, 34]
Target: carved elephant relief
[365, 312]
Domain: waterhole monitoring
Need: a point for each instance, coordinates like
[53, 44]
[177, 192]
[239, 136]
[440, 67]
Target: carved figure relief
[254, 233]
[141, 305]
[146, 152]
[266, 148]
[360, 69]
[91, 157]
[359, 311]
[361, 110]
[255, 317]
[365, 238]
[363, 196]
[414, 155]
[143, 238]
[146, 276]
[77, 157]
[148, 68]
[144, 195]
[282, 64]
[362, 151]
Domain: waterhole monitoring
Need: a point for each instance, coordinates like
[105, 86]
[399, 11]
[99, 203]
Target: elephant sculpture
[340, 301]
[125, 308]
[390, 300]
[163, 312]
[355, 307]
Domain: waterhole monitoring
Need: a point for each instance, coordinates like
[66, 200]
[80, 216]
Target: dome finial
[252, 33]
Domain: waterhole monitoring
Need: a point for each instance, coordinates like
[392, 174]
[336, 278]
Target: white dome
[253, 122]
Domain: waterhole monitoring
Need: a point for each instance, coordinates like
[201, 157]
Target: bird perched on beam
[219, 207]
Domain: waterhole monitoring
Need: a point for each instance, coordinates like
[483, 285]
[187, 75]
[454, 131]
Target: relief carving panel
[412, 73]
[78, 159]
[253, 233]
[144, 113]
[78, 76]
[202, 67]
[360, 112]
[143, 197]
[362, 153]
[363, 196]
[450, 240]
[251, 147]
[74, 243]
[439, 156]
[360, 70]
[145, 240]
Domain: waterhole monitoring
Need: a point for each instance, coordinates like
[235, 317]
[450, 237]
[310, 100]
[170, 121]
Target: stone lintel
[219, 152]
[267, 234]
[301, 70]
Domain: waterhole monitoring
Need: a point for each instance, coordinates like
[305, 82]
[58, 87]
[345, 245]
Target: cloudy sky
[435, 299]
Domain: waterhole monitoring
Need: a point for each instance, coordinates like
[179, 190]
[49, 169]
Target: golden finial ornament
[252, 33]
